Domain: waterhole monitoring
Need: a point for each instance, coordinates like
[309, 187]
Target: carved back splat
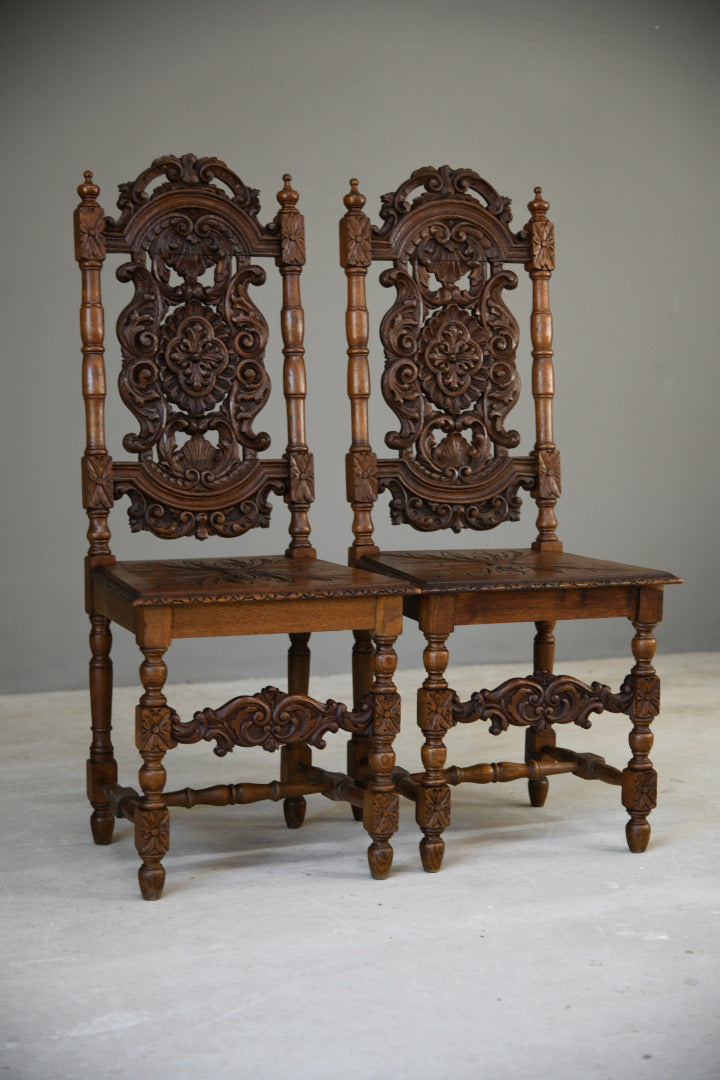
[193, 351]
[450, 343]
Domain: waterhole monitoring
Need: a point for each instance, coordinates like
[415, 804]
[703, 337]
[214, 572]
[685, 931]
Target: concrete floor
[543, 948]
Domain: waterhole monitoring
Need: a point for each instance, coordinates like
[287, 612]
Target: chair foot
[152, 880]
[380, 857]
[357, 812]
[538, 791]
[638, 835]
[102, 823]
[294, 811]
[432, 849]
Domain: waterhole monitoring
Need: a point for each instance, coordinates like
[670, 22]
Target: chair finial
[88, 191]
[538, 207]
[354, 200]
[288, 197]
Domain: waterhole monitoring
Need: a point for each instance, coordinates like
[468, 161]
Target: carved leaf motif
[363, 476]
[434, 807]
[453, 367]
[292, 235]
[548, 474]
[155, 728]
[647, 697]
[383, 815]
[152, 831]
[541, 700]
[386, 721]
[197, 360]
[269, 719]
[357, 238]
[543, 245]
[640, 790]
[90, 232]
[302, 477]
[98, 481]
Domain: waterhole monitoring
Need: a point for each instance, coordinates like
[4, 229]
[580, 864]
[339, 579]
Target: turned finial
[538, 207]
[288, 197]
[88, 191]
[354, 200]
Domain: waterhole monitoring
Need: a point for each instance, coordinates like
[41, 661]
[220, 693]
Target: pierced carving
[437, 184]
[450, 378]
[541, 700]
[270, 719]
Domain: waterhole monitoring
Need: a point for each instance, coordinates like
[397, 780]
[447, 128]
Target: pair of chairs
[193, 374]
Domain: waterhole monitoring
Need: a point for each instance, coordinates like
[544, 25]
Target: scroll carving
[193, 347]
[450, 343]
[270, 719]
[541, 700]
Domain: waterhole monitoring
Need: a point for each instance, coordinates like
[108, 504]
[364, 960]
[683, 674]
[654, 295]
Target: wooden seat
[192, 343]
[451, 379]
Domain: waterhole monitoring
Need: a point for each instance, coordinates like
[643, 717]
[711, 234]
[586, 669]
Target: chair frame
[159, 601]
[557, 586]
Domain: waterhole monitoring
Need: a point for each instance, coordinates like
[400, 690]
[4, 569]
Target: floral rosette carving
[453, 364]
[199, 360]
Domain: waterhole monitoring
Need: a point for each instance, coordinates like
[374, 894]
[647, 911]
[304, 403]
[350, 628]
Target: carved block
[97, 481]
[153, 728]
[90, 233]
[646, 702]
[386, 715]
[548, 463]
[542, 236]
[435, 710]
[362, 476]
[292, 238]
[639, 790]
[302, 477]
[152, 832]
[433, 807]
[381, 813]
[355, 241]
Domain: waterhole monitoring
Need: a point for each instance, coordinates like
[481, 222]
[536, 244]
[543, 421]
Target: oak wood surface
[451, 378]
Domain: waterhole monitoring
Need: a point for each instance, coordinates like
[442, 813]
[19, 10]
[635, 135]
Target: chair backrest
[450, 342]
[193, 346]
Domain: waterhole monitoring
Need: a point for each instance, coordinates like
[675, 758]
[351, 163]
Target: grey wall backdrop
[612, 107]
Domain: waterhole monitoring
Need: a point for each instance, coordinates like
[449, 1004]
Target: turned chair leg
[101, 766]
[536, 741]
[432, 810]
[358, 747]
[153, 737]
[639, 779]
[381, 807]
[293, 759]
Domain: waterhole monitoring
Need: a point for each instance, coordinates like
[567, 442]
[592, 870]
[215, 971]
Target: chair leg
[381, 806]
[639, 779]
[358, 746]
[101, 767]
[153, 737]
[536, 741]
[432, 810]
[292, 757]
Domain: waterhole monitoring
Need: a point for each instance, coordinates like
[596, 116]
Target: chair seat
[503, 569]
[171, 582]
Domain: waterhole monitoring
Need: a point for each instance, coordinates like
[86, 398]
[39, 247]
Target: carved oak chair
[192, 342]
[451, 379]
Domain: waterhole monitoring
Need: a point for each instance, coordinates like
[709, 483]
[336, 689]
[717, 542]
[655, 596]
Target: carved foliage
[362, 476]
[89, 233]
[437, 184]
[271, 719]
[542, 239]
[433, 807]
[302, 477]
[194, 377]
[450, 377]
[548, 463]
[97, 480]
[541, 700]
